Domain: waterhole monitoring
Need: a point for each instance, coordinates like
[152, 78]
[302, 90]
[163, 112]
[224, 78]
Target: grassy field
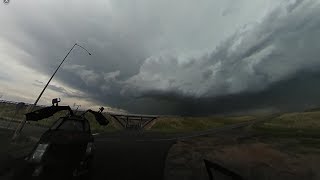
[292, 131]
[171, 124]
[9, 110]
[304, 124]
[295, 121]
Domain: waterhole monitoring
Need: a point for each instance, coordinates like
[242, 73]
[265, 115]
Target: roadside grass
[298, 131]
[304, 124]
[176, 124]
[302, 120]
[9, 110]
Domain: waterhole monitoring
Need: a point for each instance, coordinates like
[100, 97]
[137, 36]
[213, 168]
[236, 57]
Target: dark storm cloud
[185, 58]
[120, 35]
[298, 93]
[284, 43]
[247, 70]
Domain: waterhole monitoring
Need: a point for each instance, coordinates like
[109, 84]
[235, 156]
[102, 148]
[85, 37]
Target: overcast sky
[163, 56]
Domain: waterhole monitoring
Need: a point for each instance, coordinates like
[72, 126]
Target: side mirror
[103, 121]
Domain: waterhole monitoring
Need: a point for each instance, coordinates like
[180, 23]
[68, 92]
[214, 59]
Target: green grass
[9, 110]
[305, 124]
[171, 124]
[298, 132]
[304, 120]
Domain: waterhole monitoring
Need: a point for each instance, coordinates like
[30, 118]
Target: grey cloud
[282, 45]
[297, 93]
[111, 76]
[120, 34]
[61, 90]
[89, 77]
[170, 57]
[5, 77]
[206, 74]
[40, 82]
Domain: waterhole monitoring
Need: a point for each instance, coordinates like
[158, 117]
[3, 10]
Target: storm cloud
[164, 57]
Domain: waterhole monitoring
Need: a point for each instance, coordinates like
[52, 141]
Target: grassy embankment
[172, 124]
[296, 131]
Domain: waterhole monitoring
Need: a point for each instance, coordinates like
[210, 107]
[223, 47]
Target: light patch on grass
[186, 124]
[305, 120]
[295, 132]
[304, 124]
[9, 110]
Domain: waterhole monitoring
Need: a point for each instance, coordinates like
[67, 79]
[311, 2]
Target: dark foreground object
[65, 150]
[214, 168]
[129, 159]
[120, 156]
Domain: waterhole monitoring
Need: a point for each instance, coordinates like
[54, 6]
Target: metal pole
[21, 125]
[45, 87]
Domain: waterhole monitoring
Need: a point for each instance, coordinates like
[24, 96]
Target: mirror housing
[103, 121]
